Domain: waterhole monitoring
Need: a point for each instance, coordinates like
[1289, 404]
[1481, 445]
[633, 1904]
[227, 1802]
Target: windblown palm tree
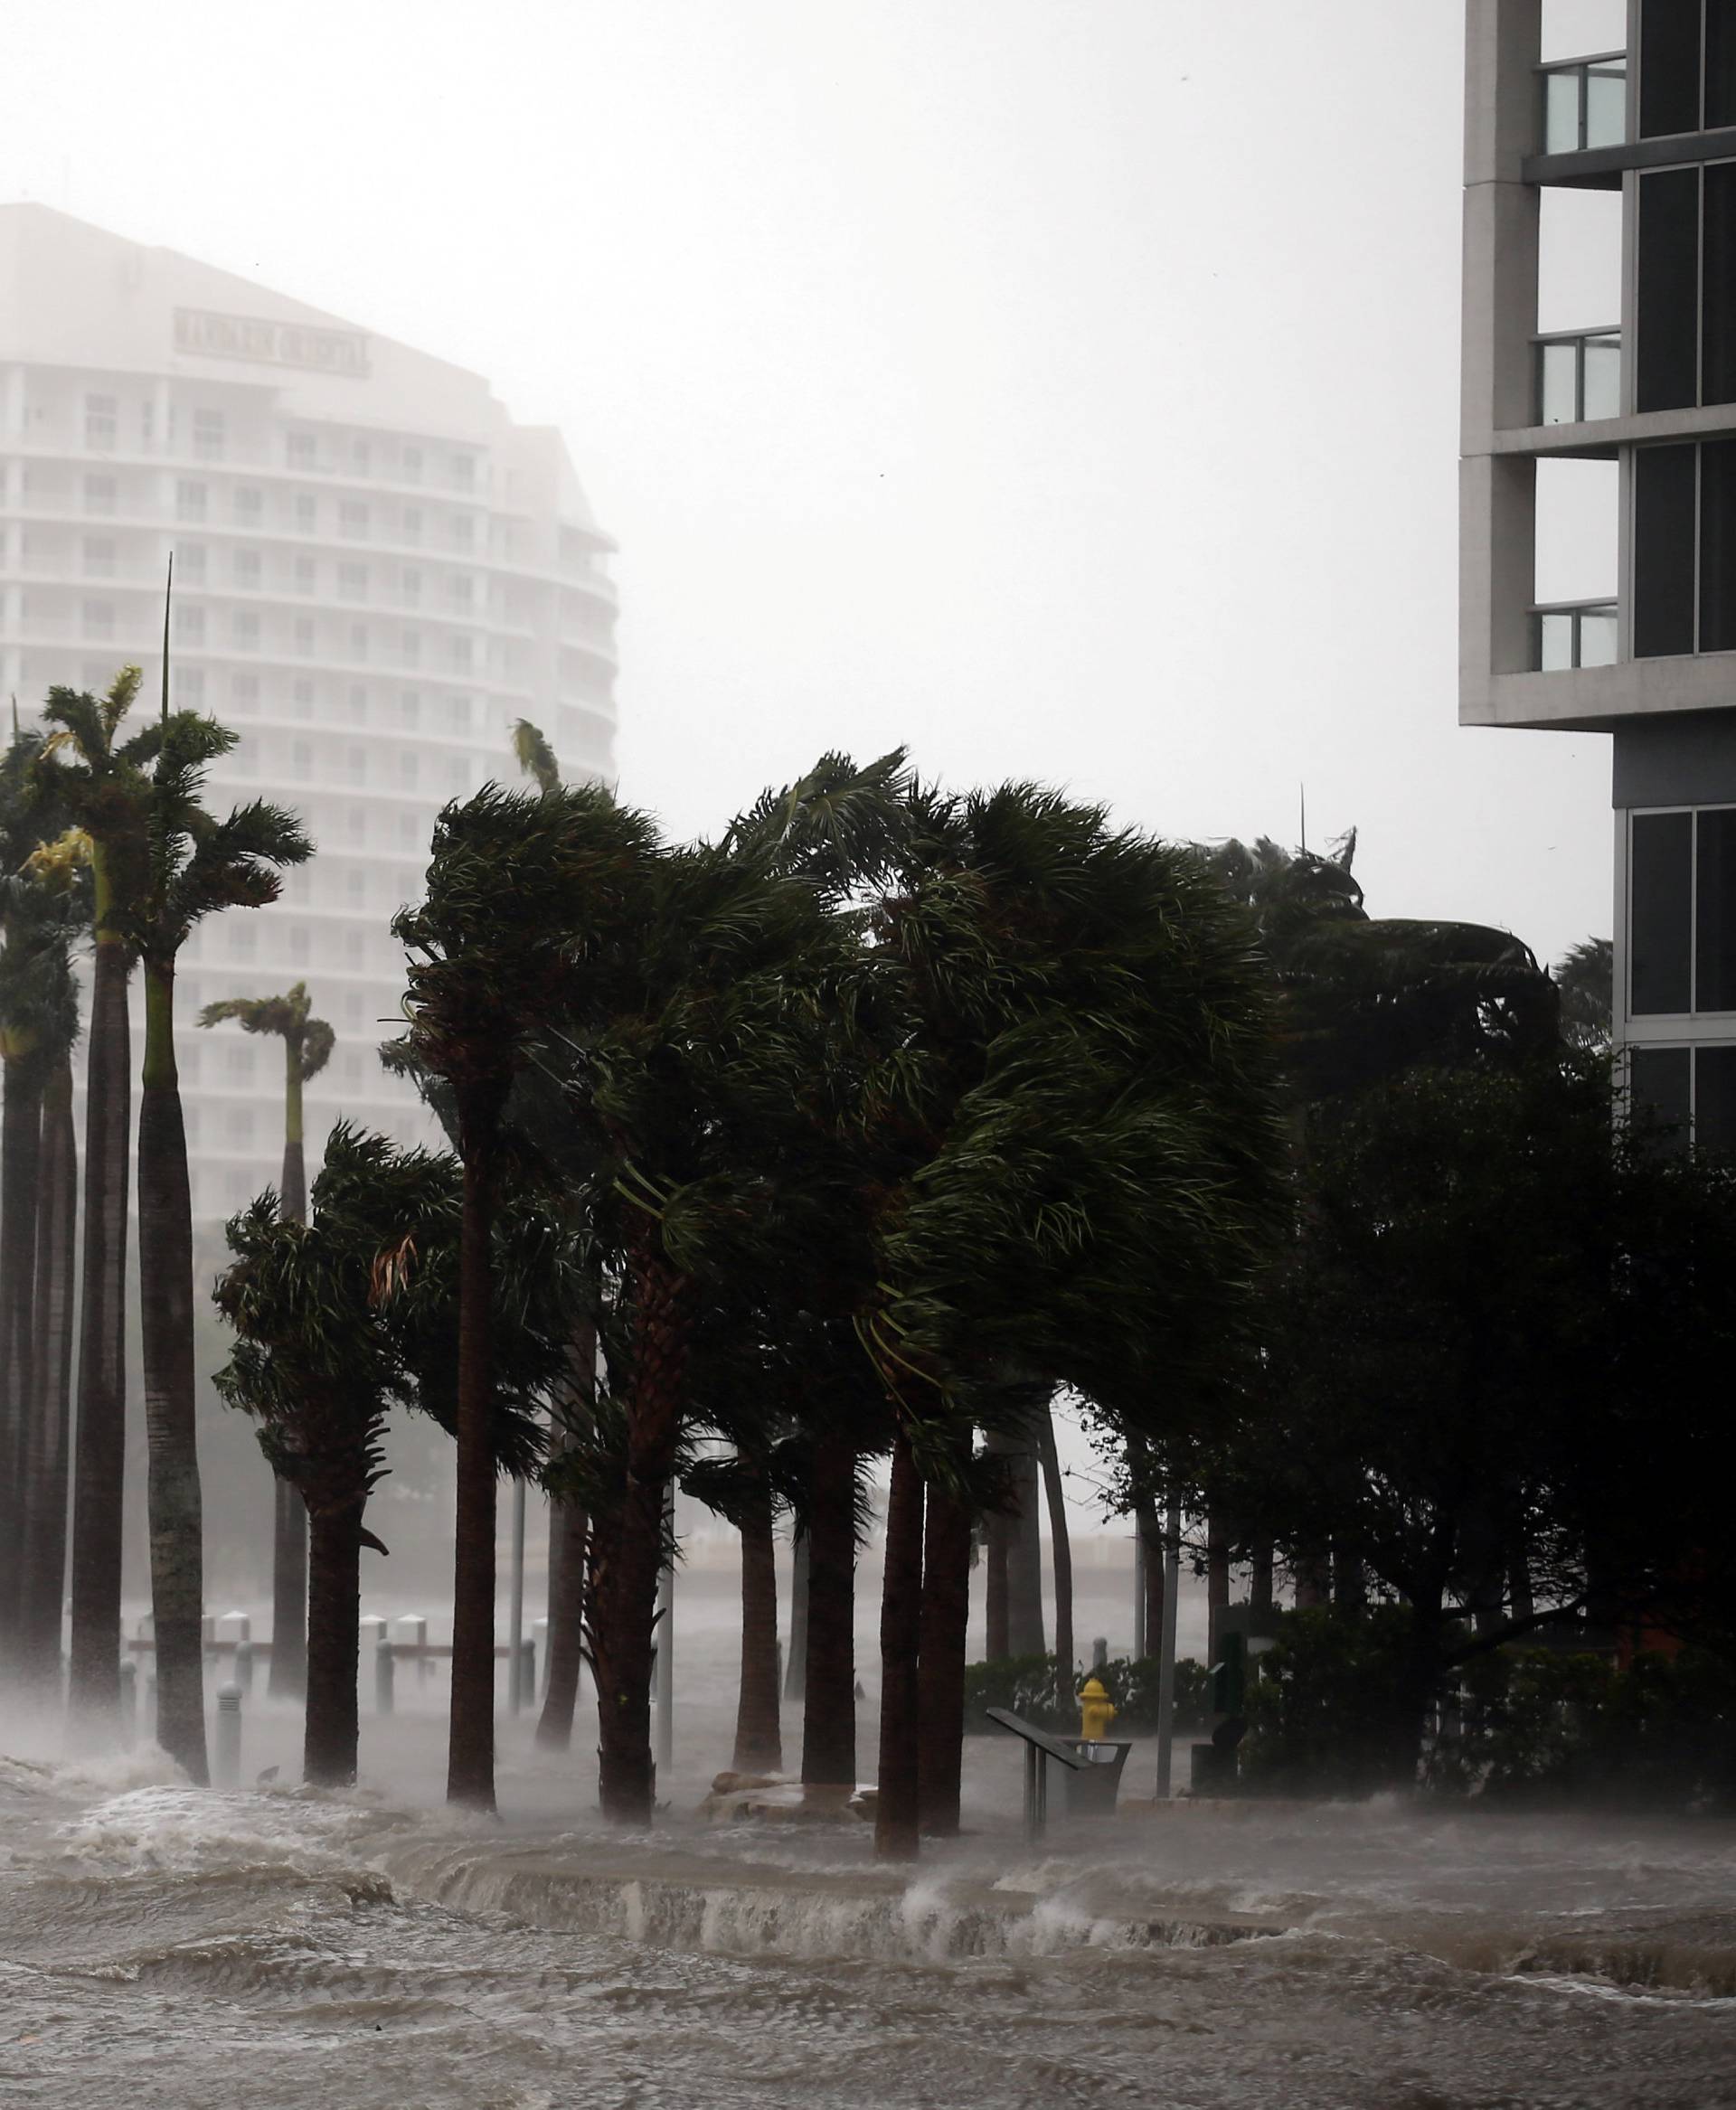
[102, 783]
[197, 865]
[307, 1044]
[339, 1321]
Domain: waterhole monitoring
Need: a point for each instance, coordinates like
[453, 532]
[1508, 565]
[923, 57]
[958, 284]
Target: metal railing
[1578, 375]
[1574, 633]
[1584, 103]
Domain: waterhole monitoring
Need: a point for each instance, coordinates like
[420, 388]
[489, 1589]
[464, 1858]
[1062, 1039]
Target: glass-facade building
[376, 573]
[1633, 143]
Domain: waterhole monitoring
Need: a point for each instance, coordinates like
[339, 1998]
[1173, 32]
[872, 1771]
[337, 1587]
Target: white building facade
[377, 572]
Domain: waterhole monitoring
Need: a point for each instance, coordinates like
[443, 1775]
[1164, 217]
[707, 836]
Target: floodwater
[161, 1948]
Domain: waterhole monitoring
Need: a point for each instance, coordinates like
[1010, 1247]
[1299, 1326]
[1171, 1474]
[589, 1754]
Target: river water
[161, 1949]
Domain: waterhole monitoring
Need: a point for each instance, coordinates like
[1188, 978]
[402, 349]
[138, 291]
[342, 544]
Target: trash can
[1092, 1790]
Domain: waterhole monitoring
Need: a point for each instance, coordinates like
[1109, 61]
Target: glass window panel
[1562, 112]
[1605, 106]
[1668, 288]
[1669, 67]
[1721, 62]
[1658, 1084]
[1597, 639]
[1602, 378]
[1664, 482]
[1714, 1098]
[1561, 384]
[1555, 643]
[1718, 286]
[1714, 910]
[1660, 915]
[1717, 546]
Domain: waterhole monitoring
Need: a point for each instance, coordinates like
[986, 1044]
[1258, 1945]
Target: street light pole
[1166, 1649]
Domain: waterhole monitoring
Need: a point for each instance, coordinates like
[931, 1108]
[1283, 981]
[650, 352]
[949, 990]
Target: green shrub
[1030, 1686]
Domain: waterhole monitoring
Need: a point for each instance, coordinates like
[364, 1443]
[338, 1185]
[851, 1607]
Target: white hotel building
[376, 572]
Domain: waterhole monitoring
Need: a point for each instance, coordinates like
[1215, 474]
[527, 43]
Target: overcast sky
[1065, 388]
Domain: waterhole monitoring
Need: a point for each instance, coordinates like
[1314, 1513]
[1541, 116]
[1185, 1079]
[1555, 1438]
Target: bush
[1031, 1686]
[1321, 1708]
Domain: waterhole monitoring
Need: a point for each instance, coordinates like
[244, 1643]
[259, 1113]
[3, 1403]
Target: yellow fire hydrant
[1096, 1711]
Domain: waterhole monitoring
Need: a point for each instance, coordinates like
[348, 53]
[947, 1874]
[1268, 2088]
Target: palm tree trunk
[165, 1236]
[99, 1463]
[829, 1706]
[1217, 1585]
[628, 1554]
[569, 1532]
[997, 1538]
[21, 1130]
[1024, 1556]
[940, 1669]
[46, 1479]
[330, 1733]
[796, 1669]
[470, 1753]
[897, 1804]
[1261, 1580]
[1061, 1553]
[758, 1731]
[288, 1674]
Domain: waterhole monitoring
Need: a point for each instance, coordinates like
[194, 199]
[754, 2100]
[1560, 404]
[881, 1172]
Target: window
[301, 451]
[190, 564]
[459, 590]
[301, 697]
[353, 582]
[250, 504]
[1714, 1098]
[358, 705]
[410, 465]
[306, 574]
[411, 526]
[99, 556]
[410, 709]
[353, 520]
[208, 435]
[1666, 506]
[410, 768]
[301, 760]
[356, 762]
[1689, 1092]
[299, 945]
[189, 687]
[1682, 911]
[244, 629]
[98, 494]
[189, 500]
[456, 715]
[305, 513]
[100, 421]
[238, 1127]
[1687, 66]
[243, 937]
[463, 472]
[411, 648]
[244, 694]
[457, 774]
[147, 424]
[361, 458]
[247, 569]
[461, 654]
[238, 1064]
[189, 624]
[352, 958]
[1685, 303]
[463, 530]
[98, 618]
[302, 636]
[358, 824]
[359, 642]
[409, 587]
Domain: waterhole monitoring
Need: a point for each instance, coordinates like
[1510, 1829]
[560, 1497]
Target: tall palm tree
[197, 866]
[513, 886]
[307, 1043]
[103, 785]
[1585, 978]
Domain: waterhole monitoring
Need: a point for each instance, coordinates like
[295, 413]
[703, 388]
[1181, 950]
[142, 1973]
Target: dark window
[1669, 306]
[1721, 64]
[1661, 921]
[1659, 1078]
[1717, 546]
[1669, 67]
[1664, 480]
[1718, 294]
[1715, 912]
[1714, 1098]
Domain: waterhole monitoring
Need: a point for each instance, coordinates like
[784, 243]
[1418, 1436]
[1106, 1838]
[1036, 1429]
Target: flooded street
[161, 1948]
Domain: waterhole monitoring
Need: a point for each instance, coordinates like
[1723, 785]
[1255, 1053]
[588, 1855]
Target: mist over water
[161, 1946]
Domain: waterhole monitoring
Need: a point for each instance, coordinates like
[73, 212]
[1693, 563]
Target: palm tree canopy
[287, 1017]
[45, 908]
[1585, 978]
[102, 784]
[535, 756]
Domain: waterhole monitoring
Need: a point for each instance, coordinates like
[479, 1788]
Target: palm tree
[197, 866]
[307, 1044]
[1586, 979]
[513, 885]
[101, 783]
[337, 1321]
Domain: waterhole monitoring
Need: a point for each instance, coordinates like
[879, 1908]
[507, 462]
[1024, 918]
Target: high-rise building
[376, 573]
[1633, 149]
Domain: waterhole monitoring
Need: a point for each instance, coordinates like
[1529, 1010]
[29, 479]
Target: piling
[244, 1664]
[129, 1703]
[384, 1674]
[226, 1755]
